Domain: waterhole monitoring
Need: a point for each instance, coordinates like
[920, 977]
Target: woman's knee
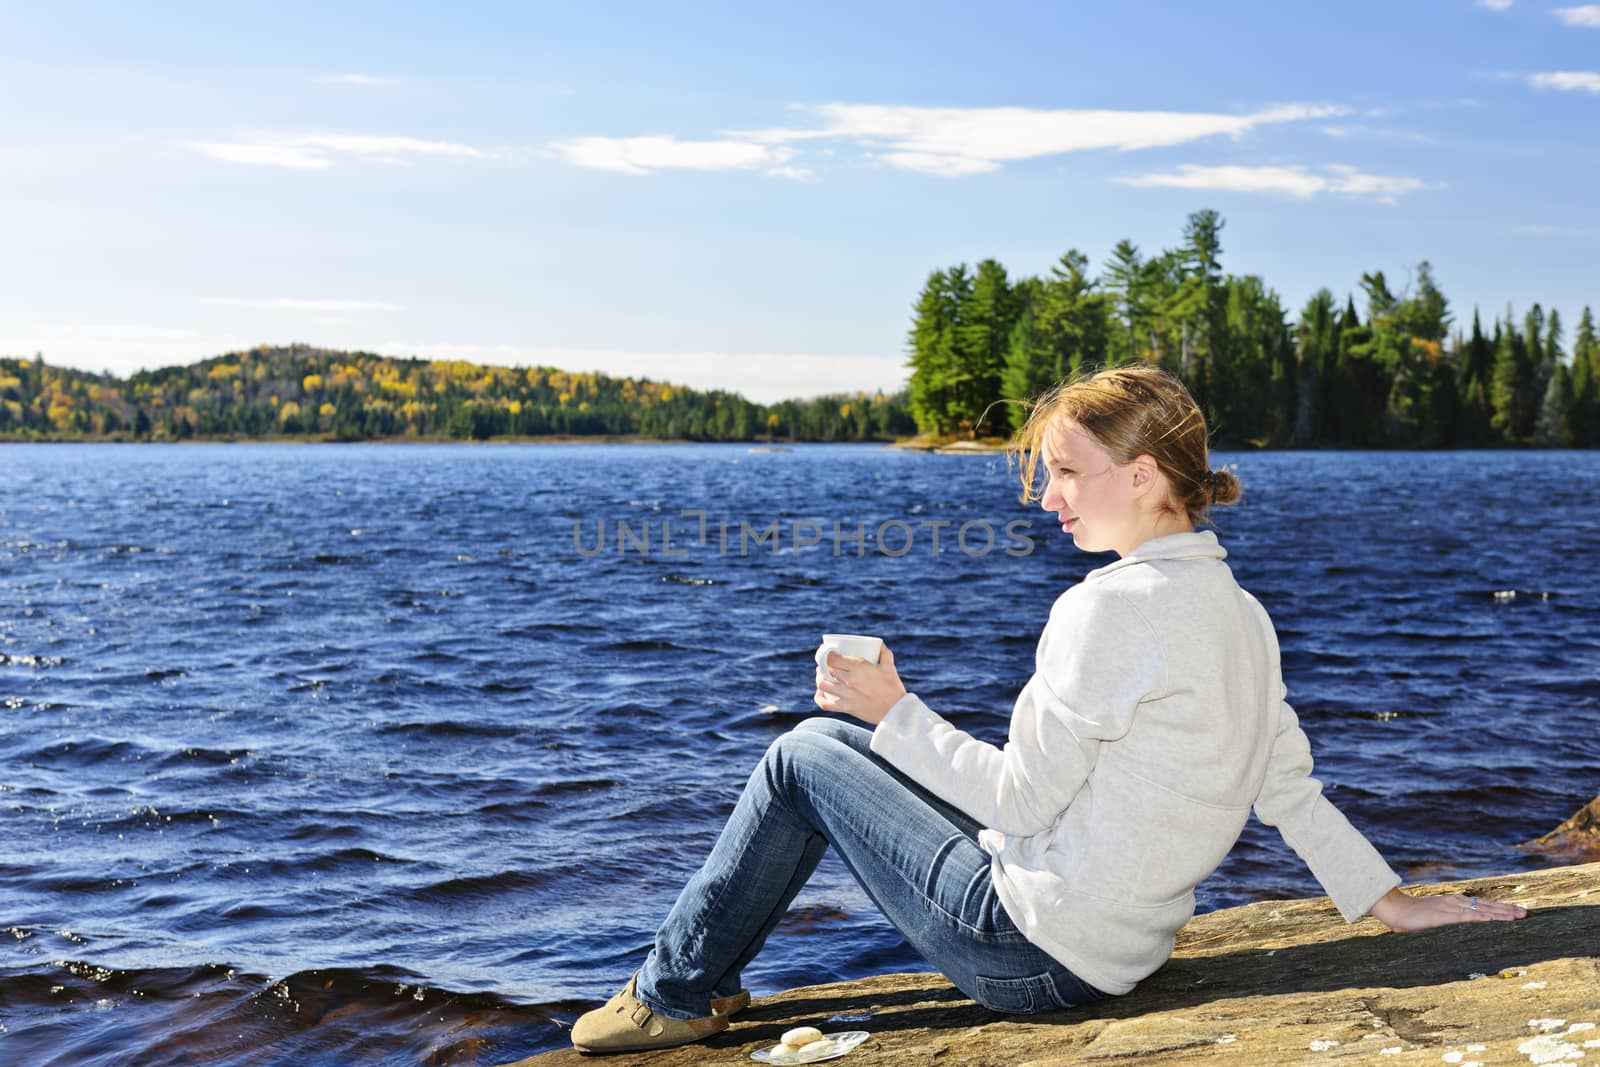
[837, 729]
[816, 742]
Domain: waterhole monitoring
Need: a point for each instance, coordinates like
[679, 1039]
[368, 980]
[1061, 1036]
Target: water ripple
[348, 754]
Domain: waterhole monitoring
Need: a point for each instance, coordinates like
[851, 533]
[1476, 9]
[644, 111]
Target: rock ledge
[1277, 982]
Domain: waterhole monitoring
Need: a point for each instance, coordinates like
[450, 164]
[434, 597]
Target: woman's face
[1093, 497]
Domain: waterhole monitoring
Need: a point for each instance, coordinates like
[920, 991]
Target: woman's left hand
[864, 690]
[1400, 911]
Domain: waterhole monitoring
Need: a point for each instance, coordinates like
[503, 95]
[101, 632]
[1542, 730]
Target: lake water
[378, 754]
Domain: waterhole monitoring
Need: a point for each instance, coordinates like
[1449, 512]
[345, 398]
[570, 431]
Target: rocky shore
[1276, 982]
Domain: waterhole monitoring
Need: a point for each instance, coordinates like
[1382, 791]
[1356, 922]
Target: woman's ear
[1146, 474]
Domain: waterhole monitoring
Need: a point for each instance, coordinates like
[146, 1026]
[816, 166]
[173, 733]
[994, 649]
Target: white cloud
[641, 155]
[1584, 16]
[1570, 81]
[371, 145]
[1295, 181]
[263, 155]
[293, 304]
[312, 151]
[1381, 133]
[762, 377]
[369, 81]
[945, 141]
[1386, 188]
[941, 166]
[1496, 5]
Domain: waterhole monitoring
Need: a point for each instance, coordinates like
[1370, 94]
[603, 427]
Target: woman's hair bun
[1222, 486]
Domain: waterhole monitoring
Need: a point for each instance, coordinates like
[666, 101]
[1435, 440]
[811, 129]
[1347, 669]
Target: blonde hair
[1133, 410]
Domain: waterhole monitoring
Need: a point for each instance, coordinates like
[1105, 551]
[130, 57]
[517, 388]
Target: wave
[85, 1014]
[450, 728]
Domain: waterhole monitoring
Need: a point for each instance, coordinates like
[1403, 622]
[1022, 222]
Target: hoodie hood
[1200, 544]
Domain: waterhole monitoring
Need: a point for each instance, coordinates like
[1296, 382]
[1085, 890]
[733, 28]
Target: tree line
[1398, 372]
[300, 391]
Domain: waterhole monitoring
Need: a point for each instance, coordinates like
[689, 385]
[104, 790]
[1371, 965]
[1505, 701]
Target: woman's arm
[1400, 911]
[1096, 661]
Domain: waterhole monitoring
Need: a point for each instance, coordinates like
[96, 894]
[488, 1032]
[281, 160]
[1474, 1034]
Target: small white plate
[831, 1047]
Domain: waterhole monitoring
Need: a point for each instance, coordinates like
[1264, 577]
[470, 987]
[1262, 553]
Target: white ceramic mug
[862, 647]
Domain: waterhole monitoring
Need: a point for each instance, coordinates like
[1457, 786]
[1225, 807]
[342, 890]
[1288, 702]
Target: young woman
[1058, 869]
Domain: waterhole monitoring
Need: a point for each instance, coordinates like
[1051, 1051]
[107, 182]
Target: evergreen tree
[1425, 313]
[1198, 306]
[1553, 428]
[1476, 373]
[1317, 354]
[1075, 317]
[1511, 387]
[933, 350]
[1586, 383]
[1128, 284]
[983, 333]
[1254, 376]
[1030, 362]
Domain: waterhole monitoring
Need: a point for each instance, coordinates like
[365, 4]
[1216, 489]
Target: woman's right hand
[1400, 911]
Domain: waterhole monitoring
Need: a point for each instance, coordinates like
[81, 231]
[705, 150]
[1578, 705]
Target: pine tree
[1199, 306]
[1255, 377]
[1425, 313]
[1476, 372]
[1554, 427]
[1127, 282]
[933, 355]
[983, 333]
[1029, 360]
[1511, 388]
[1074, 316]
[1317, 353]
[1585, 383]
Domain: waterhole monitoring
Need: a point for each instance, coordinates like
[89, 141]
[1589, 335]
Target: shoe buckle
[641, 1014]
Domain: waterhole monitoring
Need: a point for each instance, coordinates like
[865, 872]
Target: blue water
[366, 754]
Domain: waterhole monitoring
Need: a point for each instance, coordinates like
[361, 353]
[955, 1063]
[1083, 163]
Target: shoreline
[939, 446]
[1267, 982]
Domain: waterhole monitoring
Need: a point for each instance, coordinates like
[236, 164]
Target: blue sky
[750, 196]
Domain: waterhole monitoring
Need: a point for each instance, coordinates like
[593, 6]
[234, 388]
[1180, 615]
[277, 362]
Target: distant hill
[302, 392]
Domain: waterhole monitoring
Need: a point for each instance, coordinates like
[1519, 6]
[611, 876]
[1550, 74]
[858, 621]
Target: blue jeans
[916, 856]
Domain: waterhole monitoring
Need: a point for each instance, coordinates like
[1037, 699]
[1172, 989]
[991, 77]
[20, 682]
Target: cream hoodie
[1155, 719]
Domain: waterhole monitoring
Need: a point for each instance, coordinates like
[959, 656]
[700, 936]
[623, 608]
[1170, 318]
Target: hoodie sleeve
[1352, 872]
[1097, 660]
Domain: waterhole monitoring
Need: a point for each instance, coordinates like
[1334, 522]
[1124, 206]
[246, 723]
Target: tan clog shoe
[728, 1005]
[625, 1024]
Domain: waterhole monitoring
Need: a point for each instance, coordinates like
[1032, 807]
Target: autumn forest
[1392, 368]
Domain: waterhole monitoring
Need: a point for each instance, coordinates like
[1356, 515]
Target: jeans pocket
[1071, 991]
[1016, 996]
[1035, 993]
